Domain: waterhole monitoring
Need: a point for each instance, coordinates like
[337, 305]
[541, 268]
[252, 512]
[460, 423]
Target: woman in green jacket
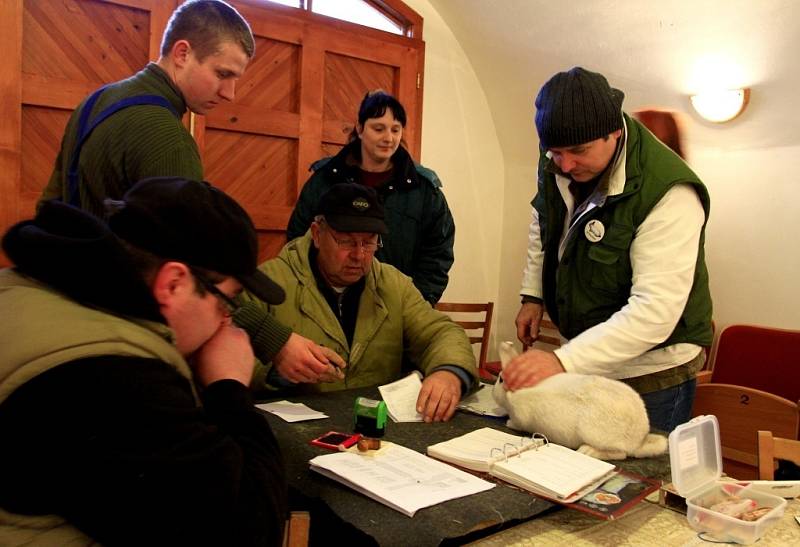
[421, 227]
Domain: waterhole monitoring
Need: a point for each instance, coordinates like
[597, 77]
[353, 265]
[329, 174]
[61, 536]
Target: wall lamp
[721, 105]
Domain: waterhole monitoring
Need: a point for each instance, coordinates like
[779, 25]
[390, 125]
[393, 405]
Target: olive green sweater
[134, 143]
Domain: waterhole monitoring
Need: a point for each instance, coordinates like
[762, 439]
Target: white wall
[460, 143]
[752, 248]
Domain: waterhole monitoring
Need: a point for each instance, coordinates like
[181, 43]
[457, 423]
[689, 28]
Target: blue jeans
[670, 407]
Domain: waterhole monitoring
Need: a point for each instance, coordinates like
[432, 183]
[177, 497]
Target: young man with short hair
[205, 50]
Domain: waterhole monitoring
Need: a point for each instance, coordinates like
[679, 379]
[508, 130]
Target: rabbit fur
[597, 416]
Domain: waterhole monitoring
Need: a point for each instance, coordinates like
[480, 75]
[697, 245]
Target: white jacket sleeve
[532, 274]
[663, 257]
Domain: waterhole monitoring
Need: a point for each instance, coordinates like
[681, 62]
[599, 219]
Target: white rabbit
[597, 416]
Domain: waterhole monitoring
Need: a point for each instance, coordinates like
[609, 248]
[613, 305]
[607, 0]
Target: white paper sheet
[399, 477]
[482, 402]
[401, 398]
[292, 412]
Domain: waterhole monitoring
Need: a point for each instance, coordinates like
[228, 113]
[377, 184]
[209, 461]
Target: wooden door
[54, 53]
[296, 103]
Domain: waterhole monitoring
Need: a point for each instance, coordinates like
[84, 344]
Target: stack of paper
[482, 402]
[399, 477]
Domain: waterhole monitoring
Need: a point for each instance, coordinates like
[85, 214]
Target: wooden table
[454, 522]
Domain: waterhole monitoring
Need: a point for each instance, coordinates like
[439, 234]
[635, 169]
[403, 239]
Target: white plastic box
[696, 465]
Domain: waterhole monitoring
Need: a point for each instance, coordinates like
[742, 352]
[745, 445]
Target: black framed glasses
[350, 245]
[228, 303]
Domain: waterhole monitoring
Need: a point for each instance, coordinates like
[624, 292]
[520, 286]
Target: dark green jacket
[135, 143]
[592, 281]
[421, 227]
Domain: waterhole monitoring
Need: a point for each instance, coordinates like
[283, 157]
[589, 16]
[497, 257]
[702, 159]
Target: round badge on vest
[594, 230]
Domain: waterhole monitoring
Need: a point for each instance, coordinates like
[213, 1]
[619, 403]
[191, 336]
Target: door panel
[55, 52]
[297, 101]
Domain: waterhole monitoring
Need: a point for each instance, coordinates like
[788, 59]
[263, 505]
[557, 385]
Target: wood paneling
[10, 112]
[296, 102]
[347, 79]
[84, 40]
[272, 80]
[42, 129]
[257, 170]
[55, 52]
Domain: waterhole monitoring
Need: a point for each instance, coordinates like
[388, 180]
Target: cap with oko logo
[349, 207]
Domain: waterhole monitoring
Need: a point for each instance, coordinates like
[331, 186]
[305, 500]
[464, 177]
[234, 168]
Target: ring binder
[510, 449]
[555, 472]
[540, 437]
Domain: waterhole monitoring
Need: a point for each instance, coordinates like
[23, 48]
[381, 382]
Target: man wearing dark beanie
[615, 252]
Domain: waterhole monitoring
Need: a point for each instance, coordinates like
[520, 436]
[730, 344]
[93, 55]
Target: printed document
[399, 477]
[401, 398]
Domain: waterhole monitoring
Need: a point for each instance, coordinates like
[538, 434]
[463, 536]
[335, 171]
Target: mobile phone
[332, 440]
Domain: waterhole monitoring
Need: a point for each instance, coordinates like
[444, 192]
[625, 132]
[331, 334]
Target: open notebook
[532, 463]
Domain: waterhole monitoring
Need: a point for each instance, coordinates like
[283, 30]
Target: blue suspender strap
[85, 129]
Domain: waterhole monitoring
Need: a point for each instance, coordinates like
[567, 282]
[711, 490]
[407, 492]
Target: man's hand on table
[439, 396]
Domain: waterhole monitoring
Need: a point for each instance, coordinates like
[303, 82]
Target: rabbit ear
[507, 352]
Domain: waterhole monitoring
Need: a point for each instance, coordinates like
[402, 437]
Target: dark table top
[473, 516]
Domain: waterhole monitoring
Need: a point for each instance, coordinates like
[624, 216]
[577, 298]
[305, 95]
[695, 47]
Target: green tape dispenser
[370, 417]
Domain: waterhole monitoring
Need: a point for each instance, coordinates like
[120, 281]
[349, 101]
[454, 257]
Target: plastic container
[696, 464]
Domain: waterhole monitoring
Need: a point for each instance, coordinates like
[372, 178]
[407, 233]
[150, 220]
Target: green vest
[42, 329]
[593, 280]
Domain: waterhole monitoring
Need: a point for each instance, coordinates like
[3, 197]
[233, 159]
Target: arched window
[387, 15]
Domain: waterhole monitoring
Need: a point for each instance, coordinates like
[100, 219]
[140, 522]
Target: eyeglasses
[228, 303]
[351, 245]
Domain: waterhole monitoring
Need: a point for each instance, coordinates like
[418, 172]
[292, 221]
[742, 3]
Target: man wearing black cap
[615, 251]
[370, 313]
[125, 411]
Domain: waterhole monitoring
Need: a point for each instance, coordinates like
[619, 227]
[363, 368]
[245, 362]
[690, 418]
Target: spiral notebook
[532, 463]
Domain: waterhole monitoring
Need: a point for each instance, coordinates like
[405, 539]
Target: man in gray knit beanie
[615, 252]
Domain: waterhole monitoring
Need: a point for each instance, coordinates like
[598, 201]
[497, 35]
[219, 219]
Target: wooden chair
[775, 448]
[704, 376]
[295, 534]
[762, 358]
[478, 328]
[742, 412]
[548, 334]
